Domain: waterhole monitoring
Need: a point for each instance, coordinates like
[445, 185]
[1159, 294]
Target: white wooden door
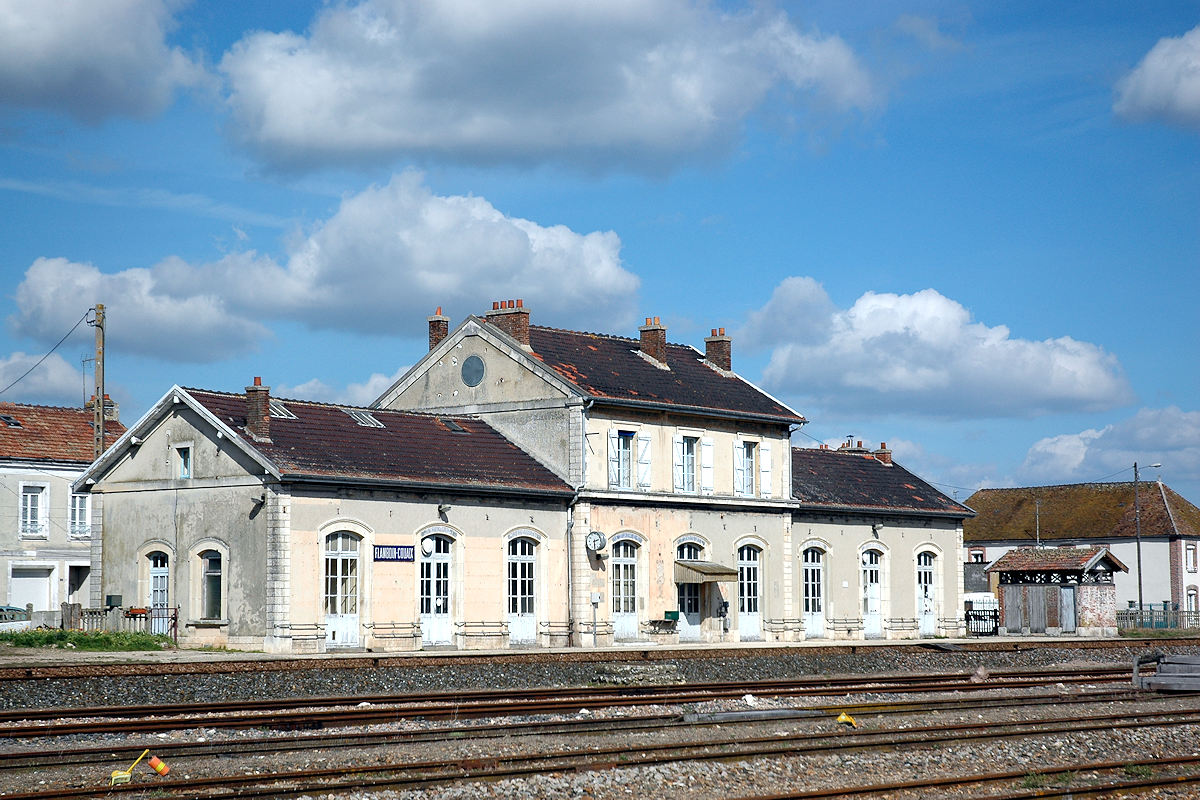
[749, 614]
[926, 598]
[341, 590]
[522, 619]
[436, 614]
[872, 603]
[814, 593]
[624, 590]
[160, 592]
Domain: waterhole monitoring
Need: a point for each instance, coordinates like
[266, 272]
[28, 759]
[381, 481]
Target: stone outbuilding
[1058, 590]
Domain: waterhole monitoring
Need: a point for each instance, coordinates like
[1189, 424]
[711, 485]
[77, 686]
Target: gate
[983, 619]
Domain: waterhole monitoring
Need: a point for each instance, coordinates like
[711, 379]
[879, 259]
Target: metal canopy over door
[689, 597]
[160, 593]
[749, 618]
[814, 595]
[872, 599]
[926, 601]
[341, 589]
[624, 590]
[522, 622]
[30, 585]
[436, 618]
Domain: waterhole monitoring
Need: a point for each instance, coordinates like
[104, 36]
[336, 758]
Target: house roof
[854, 480]
[1080, 511]
[324, 441]
[51, 433]
[612, 368]
[1057, 559]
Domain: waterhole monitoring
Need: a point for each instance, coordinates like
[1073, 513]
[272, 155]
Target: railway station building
[521, 486]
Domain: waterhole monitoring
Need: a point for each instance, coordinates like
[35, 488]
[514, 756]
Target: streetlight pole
[1137, 524]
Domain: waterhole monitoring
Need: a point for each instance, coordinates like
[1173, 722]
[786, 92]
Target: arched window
[341, 589]
[872, 593]
[689, 593]
[160, 592]
[749, 616]
[926, 594]
[624, 589]
[522, 562]
[814, 591]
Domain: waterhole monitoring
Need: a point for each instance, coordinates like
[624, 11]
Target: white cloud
[354, 394]
[921, 354]
[382, 263]
[1166, 84]
[1169, 436]
[54, 382]
[92, 59]
[927, 32]
[143, 314]
[631, 83]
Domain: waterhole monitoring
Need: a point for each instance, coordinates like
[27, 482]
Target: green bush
[86, 640]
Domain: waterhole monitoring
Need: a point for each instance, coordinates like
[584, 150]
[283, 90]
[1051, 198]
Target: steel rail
[436, 773]
[574, 727]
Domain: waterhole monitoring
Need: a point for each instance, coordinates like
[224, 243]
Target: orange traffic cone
[158, 765]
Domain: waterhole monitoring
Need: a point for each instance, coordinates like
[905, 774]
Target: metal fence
[983, 618]
[1165, 617]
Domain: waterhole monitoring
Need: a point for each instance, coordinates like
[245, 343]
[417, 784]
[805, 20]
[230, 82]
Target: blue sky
[970, 230]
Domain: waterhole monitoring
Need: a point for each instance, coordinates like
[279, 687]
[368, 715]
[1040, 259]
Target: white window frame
[745, 457]
[622, 458]
[363, 418]
[687, 464]
[1189, 559]
[39, 526]
[79, 515]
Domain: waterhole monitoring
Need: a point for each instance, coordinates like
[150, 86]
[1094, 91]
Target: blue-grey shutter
[643, 462]
[764, 469]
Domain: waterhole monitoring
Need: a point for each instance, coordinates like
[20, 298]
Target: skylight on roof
[453, 426]
[10, 421]
[363, 418]
[279, 410]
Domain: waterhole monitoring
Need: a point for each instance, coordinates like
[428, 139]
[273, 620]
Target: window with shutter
[764, 473]
[706, 466]
[677, 465]
[643, 462]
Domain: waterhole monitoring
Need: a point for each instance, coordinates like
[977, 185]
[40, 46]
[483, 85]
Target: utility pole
[98, 410]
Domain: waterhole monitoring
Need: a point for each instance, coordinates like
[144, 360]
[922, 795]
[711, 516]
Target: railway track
[299, 713]
[410, 774]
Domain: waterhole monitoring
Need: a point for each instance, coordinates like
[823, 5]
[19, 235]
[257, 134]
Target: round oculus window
[472, 370]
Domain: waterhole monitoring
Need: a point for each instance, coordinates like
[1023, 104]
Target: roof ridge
[340, 406]
[629, 339]
[80, 409]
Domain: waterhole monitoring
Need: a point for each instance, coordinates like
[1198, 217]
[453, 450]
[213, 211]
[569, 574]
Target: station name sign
[395, 552]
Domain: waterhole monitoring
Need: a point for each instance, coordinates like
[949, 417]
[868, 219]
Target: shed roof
[1057, 559]
[324, 441]
[51, 433]
[857, 481]
[610, 367]
[1080, 511]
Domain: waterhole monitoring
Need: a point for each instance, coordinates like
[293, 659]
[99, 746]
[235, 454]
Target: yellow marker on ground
[123, 775]
[846, 718]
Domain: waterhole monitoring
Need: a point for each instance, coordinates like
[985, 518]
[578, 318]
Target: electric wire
[48, 354]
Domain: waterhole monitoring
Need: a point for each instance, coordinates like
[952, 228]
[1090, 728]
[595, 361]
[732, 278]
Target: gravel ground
[699, 779]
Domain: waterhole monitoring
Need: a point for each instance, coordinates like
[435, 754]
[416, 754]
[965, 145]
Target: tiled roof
[51, 433]
[612, 367]
[857, 481]
[1055, 559]
[325, 441]
[1102, 511]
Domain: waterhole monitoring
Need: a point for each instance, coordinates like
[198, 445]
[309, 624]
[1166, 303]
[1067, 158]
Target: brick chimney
[718, 349]
[883, 454]
[258, 410]
[439, 328]
[112, 411]
[654, 340]
[512, 317]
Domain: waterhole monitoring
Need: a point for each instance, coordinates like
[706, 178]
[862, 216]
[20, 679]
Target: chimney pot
[654, 339]
[438, 313]
[258, 410]
[718, 350]
[512, 317]
[860, 444]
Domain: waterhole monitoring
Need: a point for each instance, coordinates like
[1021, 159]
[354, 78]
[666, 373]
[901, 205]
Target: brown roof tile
[1079, 511]
[325, 441]
[612, 367]
[841, 480]
[51, 433]
[1052, 559]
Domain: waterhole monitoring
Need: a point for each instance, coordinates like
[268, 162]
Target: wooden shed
[1058, 590]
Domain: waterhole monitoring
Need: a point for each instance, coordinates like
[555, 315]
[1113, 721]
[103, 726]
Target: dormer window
[10, 420]
[279, 410]
[363, 418]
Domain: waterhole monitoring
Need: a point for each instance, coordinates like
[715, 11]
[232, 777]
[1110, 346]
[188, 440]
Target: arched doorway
[160, 592]
[749, 616]
[926, 594]
[341, 590]
[814, 592]
[624, 590]
[435, 611]
[689, 597]
[522, 619]
[872, 594]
